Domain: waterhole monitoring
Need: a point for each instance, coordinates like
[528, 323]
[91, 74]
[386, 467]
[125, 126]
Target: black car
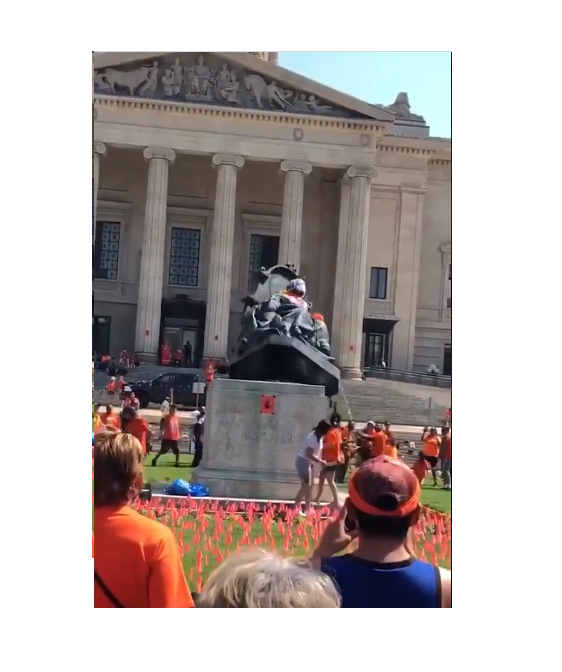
[156, 390]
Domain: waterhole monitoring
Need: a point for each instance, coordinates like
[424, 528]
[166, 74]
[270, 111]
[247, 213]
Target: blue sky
[377, 76]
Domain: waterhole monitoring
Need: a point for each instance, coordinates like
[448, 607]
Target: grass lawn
[435, 498]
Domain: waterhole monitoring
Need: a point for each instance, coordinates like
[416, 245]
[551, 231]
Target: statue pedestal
[253, 430]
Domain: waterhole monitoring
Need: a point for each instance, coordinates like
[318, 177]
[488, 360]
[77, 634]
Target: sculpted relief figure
[311, 104]
[149, 87]
[130, 80]
[198, 78]
[172, 79]
[226, 85]
[100, 82]
[278, 97]
[261, 91]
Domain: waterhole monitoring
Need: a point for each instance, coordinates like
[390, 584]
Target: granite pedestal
[252, 432]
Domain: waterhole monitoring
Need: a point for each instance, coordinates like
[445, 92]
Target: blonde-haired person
[259, 579]
[136, 561]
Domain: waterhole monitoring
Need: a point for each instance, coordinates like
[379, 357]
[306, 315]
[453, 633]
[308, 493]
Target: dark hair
[335, 418]
[321, 428]
[391, 527]
[421, 455]
[108, 408]
[172, 407]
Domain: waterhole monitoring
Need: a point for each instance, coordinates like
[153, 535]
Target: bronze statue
[281, 339]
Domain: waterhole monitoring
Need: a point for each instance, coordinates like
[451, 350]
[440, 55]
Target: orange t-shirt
[431, 446]
[378, 442]
[138, 427]
[138, 560]
[331, 446]
[420, 469]
[391, 451]
[446, 448]
[111, 419]
[171, 428]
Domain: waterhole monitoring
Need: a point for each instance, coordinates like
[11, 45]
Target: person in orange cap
[383, 504]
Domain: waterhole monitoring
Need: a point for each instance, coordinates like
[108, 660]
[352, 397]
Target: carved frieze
[201, 83]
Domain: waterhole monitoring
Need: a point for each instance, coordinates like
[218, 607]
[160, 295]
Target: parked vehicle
[156, 390]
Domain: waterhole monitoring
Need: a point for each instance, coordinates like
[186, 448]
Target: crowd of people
[329, 449]
[138, 565]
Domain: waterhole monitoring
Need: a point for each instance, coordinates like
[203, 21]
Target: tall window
[377, 287]
[447, 359]
[106, 250]
[184, 257]
[264, 251]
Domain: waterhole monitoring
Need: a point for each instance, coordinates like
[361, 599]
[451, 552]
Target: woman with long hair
[308, 455]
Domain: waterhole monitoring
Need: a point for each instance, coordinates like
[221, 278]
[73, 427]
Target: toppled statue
[281, 339]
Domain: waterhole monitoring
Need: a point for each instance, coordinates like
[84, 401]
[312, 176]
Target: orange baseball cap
[384, 486]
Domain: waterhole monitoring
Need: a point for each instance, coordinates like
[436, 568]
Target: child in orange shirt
[390, 449]
[420, 468]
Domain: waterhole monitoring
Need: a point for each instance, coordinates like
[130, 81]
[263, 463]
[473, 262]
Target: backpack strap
[105, 590]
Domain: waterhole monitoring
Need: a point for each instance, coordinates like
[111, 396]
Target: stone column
[153, 250]
[345, 192]
[220, 260]
[291, 222]
[407, 276]
[99, 150]
[351, 271]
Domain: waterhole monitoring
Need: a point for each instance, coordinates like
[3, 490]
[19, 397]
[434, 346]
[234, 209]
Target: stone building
[209, 166]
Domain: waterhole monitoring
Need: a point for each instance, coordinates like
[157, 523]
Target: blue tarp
[181, 487]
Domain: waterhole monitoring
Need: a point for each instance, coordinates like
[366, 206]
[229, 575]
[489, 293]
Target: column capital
[228, 160]
[99, 148]
[303, 167]
[369, 173]
[157, 153]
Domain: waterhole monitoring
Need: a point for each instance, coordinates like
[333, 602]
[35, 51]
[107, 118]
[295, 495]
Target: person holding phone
[382, 507]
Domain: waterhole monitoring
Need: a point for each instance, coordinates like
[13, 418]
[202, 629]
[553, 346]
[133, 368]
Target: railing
[403, 376]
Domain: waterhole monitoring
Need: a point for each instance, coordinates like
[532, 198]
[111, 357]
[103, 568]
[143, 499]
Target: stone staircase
[398, 402]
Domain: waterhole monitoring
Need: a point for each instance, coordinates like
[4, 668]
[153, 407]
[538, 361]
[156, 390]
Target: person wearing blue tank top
[382, 506]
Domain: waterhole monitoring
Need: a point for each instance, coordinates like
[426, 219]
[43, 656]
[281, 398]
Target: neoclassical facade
[209, 166]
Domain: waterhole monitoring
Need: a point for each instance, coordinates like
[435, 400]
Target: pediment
[228, 79]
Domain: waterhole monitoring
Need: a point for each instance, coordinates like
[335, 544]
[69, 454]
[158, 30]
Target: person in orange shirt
[110, 418]
[137, 564]
[209, 372]
[390, 449]
[445, 457]
[170, 426]
[388, 433]
[165, 355]
[431, 451]
[139, 428]
[378, 441]
[110, 387]
[348, 449]
[420, 467]
[332, 455]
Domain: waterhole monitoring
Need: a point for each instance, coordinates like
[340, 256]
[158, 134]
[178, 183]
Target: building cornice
[247, 115]
[436, 150]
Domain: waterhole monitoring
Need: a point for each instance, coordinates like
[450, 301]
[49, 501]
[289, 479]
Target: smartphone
[350, 525]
